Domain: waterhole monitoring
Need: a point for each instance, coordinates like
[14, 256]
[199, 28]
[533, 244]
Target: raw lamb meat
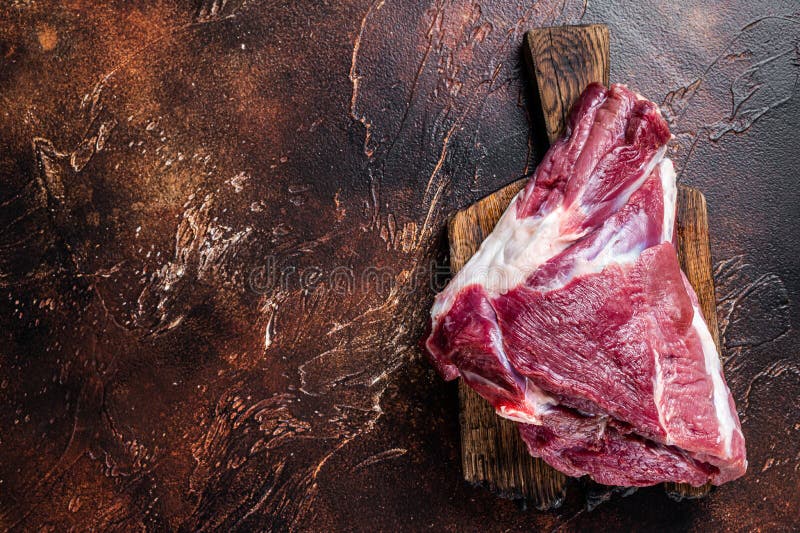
[575, 320]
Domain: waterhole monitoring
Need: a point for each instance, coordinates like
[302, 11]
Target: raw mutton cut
[575, 320]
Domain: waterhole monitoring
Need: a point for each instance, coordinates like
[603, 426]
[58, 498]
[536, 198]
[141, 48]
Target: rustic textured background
[159, 159]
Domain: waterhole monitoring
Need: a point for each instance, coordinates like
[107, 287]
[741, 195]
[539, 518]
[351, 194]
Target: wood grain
[563, 61]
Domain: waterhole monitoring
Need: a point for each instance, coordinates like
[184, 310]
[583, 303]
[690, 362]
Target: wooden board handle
[563, 61]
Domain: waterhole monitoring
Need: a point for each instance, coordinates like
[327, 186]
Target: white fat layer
[508, 255]
[610, 253]
[658, 393]
[726, 425]
[500, 350]
[517, 247]
[670, 188]
[535, 395]
[599, 262]
[536, 400]
[518, 416]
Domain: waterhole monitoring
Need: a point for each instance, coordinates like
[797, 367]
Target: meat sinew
[575, 320]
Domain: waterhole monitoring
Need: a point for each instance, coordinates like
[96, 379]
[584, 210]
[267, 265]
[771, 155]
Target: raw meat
[575, 320]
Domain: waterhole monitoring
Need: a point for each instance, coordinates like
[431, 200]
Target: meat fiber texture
[575, 320]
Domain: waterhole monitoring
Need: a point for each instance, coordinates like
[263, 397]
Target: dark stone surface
[158, 160]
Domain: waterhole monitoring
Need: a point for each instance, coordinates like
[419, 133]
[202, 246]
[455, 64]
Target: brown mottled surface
[159, 160]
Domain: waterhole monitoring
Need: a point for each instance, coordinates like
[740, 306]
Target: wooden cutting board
[563, 60]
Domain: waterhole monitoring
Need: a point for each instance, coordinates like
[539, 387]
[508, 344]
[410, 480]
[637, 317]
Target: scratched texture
[159, 160]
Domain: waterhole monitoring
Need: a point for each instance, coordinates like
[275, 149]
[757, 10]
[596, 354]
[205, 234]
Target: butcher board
[563, 60]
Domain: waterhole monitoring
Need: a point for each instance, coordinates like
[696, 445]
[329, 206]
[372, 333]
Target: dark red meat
[575, 319]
